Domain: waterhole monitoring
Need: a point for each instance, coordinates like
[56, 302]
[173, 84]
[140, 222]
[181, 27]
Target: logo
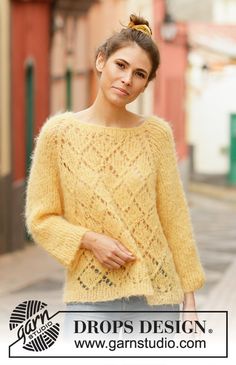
[34, 326]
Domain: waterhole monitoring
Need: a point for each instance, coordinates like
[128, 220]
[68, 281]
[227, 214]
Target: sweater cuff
[193, 281]
[68, 255]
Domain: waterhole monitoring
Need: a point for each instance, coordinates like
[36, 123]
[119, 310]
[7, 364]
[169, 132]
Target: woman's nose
[127, 79]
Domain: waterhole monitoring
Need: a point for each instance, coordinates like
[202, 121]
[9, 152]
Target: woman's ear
[100, 62]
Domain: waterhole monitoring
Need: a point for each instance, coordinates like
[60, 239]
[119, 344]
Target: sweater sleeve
[43, 207]
[174, 215]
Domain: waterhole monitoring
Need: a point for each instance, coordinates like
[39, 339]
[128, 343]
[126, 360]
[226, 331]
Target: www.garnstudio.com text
[162, 343]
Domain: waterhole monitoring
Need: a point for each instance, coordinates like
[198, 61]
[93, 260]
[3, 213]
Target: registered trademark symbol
[210, 330]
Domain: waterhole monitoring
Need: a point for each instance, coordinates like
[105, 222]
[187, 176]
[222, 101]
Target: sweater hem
[151, 298]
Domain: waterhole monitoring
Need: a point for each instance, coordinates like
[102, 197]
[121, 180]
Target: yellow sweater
[121, 182]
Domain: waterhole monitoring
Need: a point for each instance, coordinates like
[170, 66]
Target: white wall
[191, 10]
[224, 11]
[211, 99]
[217, 11]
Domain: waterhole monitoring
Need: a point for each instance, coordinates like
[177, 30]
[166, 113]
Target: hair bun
[137, 20]
[140, 24]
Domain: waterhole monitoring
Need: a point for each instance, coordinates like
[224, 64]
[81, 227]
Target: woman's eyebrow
[127, 63]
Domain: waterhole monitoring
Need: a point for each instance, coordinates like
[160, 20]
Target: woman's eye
[140, 74]
[120, 64]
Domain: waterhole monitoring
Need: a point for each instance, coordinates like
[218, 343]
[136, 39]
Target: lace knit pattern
[121, 182]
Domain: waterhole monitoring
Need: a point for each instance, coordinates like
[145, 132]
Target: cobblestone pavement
[33, 274]
[214, 224]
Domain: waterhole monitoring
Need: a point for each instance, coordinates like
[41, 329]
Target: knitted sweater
[121, 182]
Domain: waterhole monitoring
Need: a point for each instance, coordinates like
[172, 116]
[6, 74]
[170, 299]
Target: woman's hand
[191, 317]
[109, 252]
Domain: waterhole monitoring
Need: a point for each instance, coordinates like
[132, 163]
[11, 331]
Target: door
[29, 121]
[232, 170]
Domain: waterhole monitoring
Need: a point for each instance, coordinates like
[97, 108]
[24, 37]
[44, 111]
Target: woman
[104, 194]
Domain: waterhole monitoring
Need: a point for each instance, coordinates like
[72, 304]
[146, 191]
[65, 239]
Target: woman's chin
[119, 101]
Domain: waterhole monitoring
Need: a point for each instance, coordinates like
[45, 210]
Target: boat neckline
[112, 128]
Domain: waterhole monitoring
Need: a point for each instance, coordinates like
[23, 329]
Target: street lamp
[168, 28]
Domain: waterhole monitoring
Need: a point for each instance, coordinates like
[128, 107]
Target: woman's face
[127, 69]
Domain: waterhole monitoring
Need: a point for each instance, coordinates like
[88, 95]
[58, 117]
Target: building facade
[52, 45]
[5, 144]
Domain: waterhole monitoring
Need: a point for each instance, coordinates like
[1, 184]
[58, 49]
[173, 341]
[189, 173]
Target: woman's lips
[120, 91]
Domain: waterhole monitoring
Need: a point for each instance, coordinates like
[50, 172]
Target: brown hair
[128, 35]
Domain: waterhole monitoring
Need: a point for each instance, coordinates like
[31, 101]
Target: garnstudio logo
[34, 325]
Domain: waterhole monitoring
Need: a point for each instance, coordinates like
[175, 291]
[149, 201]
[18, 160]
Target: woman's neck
[107, 114]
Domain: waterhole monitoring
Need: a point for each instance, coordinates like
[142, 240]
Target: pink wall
[169, 94]
[29, 40]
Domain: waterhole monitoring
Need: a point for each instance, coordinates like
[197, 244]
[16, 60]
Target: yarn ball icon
[34, 326]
